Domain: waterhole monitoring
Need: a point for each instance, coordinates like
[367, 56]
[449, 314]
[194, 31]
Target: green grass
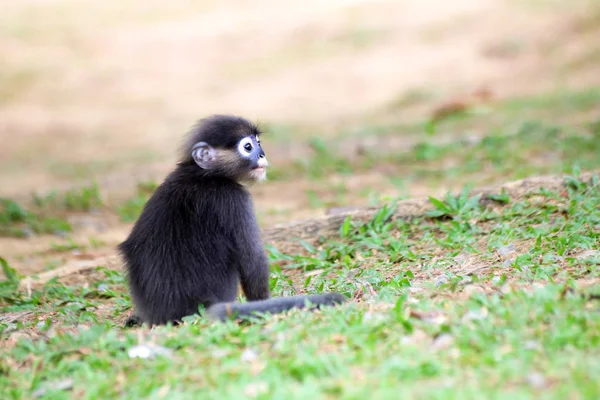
[525, 149]
[84, 198]
[470, 301]
[68, 245]
[512, 142]
[47, 212]
[16, 221]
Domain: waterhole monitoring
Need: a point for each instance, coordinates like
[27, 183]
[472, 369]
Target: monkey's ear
[204, 155]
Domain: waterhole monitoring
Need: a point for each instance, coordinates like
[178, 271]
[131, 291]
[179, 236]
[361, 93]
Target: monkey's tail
[275, 305]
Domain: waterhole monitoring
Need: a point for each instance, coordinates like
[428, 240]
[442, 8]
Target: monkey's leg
[132, 321]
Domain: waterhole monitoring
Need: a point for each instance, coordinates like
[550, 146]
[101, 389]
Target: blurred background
[361, 101]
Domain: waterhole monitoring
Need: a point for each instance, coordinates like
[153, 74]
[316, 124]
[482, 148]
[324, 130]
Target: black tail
[275, 305]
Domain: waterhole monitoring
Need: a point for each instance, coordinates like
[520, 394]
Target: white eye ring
[244, 145]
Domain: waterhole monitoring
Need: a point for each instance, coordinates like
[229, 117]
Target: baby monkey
[197, 237]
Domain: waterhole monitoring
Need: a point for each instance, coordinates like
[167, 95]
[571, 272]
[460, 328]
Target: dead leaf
[337, 338]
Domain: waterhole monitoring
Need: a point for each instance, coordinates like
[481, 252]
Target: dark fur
[197, 239]
[224, 311]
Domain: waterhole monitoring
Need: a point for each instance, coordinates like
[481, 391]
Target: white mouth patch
[259, 174]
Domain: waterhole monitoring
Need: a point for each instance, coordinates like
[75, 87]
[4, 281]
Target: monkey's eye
[245, 146]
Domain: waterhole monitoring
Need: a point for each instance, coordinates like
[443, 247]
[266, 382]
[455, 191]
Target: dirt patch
[108, 94]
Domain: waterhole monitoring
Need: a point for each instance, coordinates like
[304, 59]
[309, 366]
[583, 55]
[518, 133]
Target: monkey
[197, 238]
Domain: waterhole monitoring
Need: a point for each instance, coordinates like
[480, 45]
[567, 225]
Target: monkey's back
[182, 250]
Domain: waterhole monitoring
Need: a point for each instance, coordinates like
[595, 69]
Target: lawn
[490, 298]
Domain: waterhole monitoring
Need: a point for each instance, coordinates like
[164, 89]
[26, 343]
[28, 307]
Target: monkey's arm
[250, 254]
[254, 270]
[276, 305]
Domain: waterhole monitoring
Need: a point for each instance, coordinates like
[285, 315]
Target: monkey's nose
[262, 161]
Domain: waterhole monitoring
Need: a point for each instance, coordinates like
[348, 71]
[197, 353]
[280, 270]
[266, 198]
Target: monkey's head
[226, 146]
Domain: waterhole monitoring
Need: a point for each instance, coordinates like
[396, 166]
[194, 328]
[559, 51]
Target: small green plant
[70, 245]
[502, 197]
[16, 221]
[45, 200]
[10, 282]
[456, 207]
[324, 161]
[86, 198]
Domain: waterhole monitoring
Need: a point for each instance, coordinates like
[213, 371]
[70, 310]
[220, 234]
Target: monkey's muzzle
[260, 171]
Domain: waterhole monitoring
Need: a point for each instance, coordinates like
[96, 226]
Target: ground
[92, 91]
[362, 102]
